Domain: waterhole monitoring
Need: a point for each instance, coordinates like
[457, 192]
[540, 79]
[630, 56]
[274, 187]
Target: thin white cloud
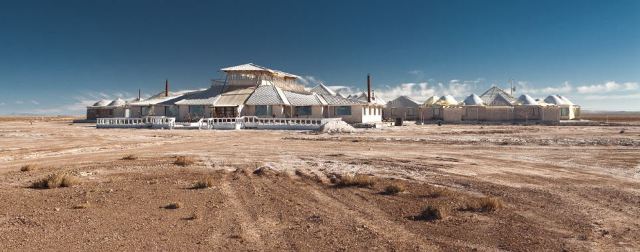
[310, 81]
[2, 104]
[78, 104]
[418, 74]
[564, 88]
[610, 86]
[634, 96]
[423, 90]
[34, 102]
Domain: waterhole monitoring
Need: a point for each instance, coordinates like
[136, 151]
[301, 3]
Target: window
[411, 111]
[303, 111]
[393, 111]
[145, 111]
[343, 110]
[196, 111]
[564, 111]
[170, 111]
[264, 110]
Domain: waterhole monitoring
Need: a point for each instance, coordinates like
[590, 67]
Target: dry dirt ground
[561, 187]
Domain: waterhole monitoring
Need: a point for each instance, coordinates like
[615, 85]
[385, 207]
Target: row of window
[372, 111]
[262, 110]
[267, 110]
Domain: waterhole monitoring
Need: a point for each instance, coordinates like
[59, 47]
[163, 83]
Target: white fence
[243, 122]
[156, 122]
[253, 122]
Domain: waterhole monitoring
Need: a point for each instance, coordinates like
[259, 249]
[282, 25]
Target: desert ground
[457, 187]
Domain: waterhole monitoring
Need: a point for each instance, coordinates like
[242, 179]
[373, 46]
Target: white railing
[255, 122]
[145, 122]
[160, 121]
[243, 122]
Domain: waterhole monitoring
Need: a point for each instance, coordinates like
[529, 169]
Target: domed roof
[525, 99]
[567, 101]
[117, 103]
[447, 100]
[101, 103]
[554, 99]
[473, 100]
[432, 100]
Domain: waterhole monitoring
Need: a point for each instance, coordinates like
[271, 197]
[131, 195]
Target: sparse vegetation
[84, 205]
[184, 161]
[203, 184]
[193, 216]
[433, 212]
[174, 205]
[55, 181]
[29, 167]
[437, 192]
[265, 171]
[358, 180]
[130, 157]
[394, 189]
[484, 204]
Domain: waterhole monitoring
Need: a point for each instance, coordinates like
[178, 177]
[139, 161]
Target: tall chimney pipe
[166, 87]
[139, 94]
[368, 88]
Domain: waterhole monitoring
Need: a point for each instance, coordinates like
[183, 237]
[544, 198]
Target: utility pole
[511, 90]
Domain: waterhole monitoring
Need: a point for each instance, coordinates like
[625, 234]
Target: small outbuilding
[402, 107]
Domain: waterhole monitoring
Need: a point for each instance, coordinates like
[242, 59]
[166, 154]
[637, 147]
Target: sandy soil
[563, 188]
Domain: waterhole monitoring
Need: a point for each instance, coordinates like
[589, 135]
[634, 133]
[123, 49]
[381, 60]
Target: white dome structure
[101, 103]
[430, 101]
[447, 100]
[473, 100]
[525, 99]
[555, 100]
[117, 103]
[567, 101]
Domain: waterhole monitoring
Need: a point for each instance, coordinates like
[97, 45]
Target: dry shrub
[29, 167]
[203, 184]
[437, 192]
[433, 212]
[175, 205]
[394, 188]
[55, 181]
[130, 157]
[184, 161]
[306, 176]
[484, 204]
[84, 205]
[357, 180]
[265, 171]
[193, 216]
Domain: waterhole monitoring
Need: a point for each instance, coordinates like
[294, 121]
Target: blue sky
[57, 56]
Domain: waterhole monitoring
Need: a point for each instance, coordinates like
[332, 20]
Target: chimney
[368, 88]
[166, 87]
[139, 94]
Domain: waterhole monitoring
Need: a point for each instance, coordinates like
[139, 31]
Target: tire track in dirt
[352, 203]
[250, 232]
[386, 229]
